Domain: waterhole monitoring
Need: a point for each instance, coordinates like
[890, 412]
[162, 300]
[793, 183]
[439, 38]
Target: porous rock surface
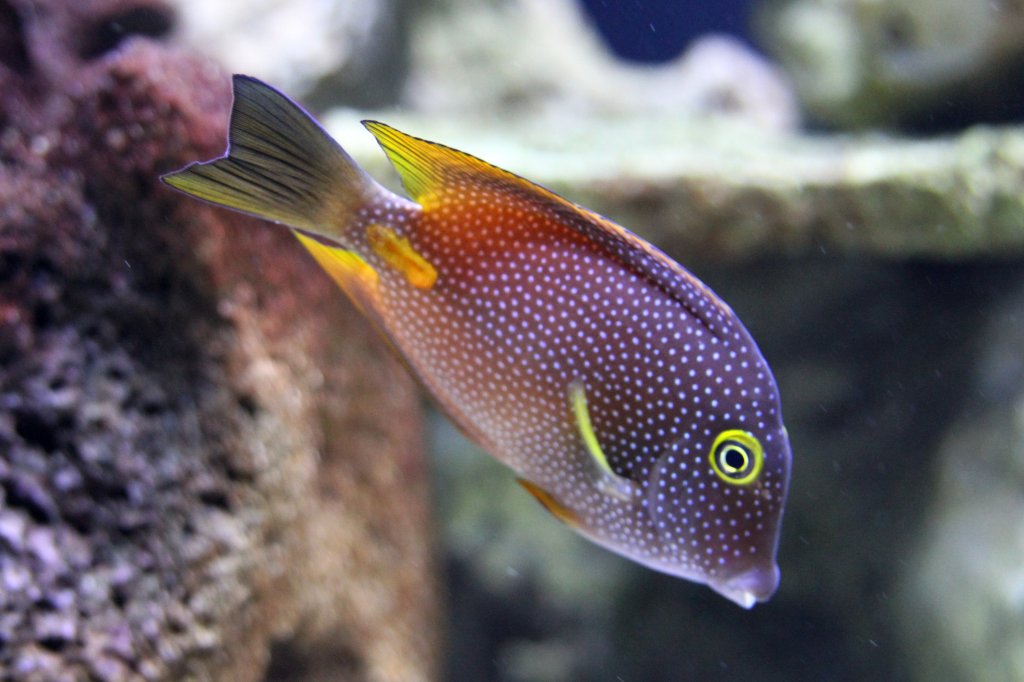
[209, 466]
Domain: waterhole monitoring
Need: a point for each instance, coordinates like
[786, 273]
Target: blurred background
[847, 174]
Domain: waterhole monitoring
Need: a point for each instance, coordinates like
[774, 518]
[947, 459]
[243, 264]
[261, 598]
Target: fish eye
[737, 457]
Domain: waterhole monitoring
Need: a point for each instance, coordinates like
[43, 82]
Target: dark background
[659, 30]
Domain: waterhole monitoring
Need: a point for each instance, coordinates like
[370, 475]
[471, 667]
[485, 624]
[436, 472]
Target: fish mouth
[748, 587]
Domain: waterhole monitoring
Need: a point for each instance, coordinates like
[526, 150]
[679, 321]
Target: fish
[626, 396]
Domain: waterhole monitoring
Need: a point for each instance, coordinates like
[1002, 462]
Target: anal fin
[353, 274]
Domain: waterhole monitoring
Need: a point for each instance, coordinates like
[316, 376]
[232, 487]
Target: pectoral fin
[608, 482]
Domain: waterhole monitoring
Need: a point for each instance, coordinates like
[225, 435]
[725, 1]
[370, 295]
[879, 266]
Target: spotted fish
[627, 397]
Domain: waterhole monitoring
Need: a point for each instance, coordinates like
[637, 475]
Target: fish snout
[749, 586]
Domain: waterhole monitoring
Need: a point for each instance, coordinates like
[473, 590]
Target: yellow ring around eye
[724, 455]
[748, 446]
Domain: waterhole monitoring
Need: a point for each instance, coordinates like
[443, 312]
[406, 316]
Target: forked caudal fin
[280, 165]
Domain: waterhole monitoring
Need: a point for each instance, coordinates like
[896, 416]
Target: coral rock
[209, 466]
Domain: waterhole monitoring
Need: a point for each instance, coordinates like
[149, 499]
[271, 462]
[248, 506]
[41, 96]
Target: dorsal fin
[427, 169]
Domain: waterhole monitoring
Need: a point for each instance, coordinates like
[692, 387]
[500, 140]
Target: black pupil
[734, 456]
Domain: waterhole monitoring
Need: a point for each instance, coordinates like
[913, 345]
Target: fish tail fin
[280, 165]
